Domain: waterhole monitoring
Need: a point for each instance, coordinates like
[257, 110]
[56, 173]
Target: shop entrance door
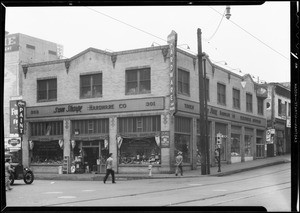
[223, 149]
[91, 154]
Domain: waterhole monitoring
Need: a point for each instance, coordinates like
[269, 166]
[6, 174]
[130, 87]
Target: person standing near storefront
[179, 160]
[109, 169]
[8, 169]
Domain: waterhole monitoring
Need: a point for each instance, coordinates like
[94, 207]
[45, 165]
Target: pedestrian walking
[179, 160]
[109, 169]
[8, 170]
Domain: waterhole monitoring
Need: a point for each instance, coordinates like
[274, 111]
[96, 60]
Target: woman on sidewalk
[109, 169]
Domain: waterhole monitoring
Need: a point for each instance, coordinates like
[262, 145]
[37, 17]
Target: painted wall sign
[12, 43]
[193, 107]
[96, 107]
[13, 112]
[21, 111]
[14, 143]
[172, 41]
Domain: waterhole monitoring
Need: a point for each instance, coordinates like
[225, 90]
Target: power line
[252, 35]
[217, 27]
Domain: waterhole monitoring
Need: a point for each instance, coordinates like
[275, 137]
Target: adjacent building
[142, 105]
[278, 111]
[21, 49]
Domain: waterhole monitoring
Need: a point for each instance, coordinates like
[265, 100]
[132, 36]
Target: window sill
[138, 93]
[223, 104]
[90, 97]
[42, 101]
[237, 108]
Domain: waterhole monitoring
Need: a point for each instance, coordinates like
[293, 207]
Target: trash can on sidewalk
[60, 170]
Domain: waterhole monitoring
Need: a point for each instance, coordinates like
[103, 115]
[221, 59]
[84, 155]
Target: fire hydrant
[150, 170]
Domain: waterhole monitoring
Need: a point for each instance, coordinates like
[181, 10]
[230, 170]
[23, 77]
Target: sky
[255, 40]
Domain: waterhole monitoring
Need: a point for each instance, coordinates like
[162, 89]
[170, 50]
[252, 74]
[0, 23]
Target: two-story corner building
[21, 49]
[278, 111]
[80, 109]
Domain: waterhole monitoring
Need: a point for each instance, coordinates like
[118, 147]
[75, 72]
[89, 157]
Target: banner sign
[172, 41]
[145, 104]
[21, 110]
[13, 113]
[11, 43]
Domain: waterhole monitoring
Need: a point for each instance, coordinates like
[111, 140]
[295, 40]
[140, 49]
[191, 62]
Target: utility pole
[203, 143]
[207, 144]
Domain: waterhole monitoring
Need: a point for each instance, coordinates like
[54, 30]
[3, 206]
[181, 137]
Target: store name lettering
[101, 107]
[70, 108]
[188, 106]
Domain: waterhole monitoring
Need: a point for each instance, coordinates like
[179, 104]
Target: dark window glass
[183, 82]
[221, 90]
[91, 86]
[260, 106]
[138, 81]
[47, 90]
[236, 98]
[248, 102]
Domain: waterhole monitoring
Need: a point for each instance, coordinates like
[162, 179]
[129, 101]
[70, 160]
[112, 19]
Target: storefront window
[248, 145]
[47, 152]
[235, 145]
[139, 151]
[182, 144]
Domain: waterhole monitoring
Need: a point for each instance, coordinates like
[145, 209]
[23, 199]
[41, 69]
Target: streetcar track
[174, 189]
[231, 193]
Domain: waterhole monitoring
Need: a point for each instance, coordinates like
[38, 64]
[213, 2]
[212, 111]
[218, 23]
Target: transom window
[236, 98]
[221, 90]
[138, 81]
[248, 102]
[91, 85]
[47, 90]
[183, 82]
[260, 106]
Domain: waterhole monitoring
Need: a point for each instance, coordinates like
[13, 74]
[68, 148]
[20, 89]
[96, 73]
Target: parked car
[20, 172]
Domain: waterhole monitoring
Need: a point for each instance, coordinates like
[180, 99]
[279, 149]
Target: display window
[248, 145]
[235, 145]
[47, 152]
[139, 151]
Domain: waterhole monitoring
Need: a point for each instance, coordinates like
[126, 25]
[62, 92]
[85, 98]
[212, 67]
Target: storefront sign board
[193, 107]
[21, 111]
[165, 139]
[13, 117]
[11, 43]
[147, 104]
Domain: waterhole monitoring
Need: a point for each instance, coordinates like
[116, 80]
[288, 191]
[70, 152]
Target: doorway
[90, 156]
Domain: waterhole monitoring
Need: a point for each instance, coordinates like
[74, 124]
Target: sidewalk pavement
[226, 169]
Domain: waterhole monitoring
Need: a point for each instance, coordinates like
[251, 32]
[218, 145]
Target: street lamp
[227, 15]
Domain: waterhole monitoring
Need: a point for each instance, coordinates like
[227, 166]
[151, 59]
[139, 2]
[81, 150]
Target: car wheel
[28, 177]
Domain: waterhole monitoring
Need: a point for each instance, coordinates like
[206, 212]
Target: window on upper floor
[260, 106]
[221, 91]
[249, 102]
[138, 81]
[47, 90]
[236, 98]
[207, 88]
[279, 107]
[183, 82]
[91, 85]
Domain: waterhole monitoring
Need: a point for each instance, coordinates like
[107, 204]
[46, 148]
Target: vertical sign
[21, 110]
[11, 43]
[172, 41]
[13, 113]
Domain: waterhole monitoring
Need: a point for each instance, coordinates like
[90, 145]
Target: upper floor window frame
[183, 81]
[236, 98]
[260, 106]
[47, 89]
[138, 81]
[90, 86]
[221, 93]
[249, 102]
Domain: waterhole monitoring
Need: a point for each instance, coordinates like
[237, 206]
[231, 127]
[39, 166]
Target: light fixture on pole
[152, 45]
[227, 15]
[187, 46]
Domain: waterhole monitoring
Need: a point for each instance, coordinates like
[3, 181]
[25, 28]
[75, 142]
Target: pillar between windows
[254, 143]
[243, 144]
[194, 143]
[228, 144]
[213, 143]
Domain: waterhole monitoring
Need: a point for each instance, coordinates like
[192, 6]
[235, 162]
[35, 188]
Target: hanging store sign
[288, 122]
[261, 91]
[14, 143]
[193, 107]
[146, 104]
[172, 41]
[11, 43]
[21, 111]
[165, 139]
[13, 112]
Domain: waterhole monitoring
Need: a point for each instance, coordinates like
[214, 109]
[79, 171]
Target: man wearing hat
[178, 164]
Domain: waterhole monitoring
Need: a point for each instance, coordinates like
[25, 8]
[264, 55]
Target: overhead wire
[252, 35]
[217, 27]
